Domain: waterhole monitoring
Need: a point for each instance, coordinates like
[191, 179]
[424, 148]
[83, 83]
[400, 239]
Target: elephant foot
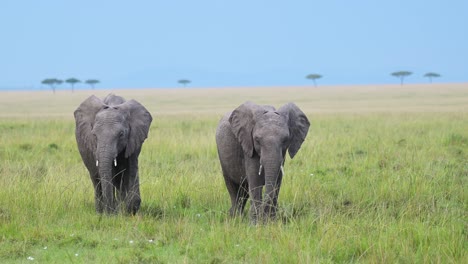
[133, 206]
[110, 210]
[99, 209]
[255, 217]
[232, 212]
[270, 213]
[99, 206]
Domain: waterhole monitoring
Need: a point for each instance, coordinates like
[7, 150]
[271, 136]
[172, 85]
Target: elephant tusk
[282, 170]
[115, 162]
[97, 163]
[260, 170]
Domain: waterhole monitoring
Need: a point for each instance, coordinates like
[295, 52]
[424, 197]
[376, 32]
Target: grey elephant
[252, 142]
[110, 134]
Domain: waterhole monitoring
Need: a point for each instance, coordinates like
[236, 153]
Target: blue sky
[145, 43]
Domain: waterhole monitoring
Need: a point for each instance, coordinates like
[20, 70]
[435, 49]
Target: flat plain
[381, 178]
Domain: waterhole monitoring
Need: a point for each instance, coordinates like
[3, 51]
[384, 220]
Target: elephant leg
[232, 189]
[98, 200]
[131, 188]
[120, 187]
[256, 203]
[243, 195]
[133, 199]
[239, 195]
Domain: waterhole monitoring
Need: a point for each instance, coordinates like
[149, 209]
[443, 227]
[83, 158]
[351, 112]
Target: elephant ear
[242, 123]
[139, 121]
[84, 118]
[298, 126]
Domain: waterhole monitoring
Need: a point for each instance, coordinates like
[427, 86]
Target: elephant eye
[122, 133]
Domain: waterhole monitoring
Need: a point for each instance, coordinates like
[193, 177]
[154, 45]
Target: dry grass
[325, 99]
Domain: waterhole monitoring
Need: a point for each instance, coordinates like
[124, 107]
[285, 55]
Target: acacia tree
[52, 82]
[402, 75]
[72, 82]
[92, 82]
[431, 75]
[184, 82]
[314, 77]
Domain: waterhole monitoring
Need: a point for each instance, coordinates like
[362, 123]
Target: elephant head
[110, 134]
[267, 134]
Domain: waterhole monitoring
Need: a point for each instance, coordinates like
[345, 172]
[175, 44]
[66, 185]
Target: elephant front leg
[256, 203]
[131, 188]
[121, 186]
[98, 202]
[242, 196]
[133, 199]
[239, 194]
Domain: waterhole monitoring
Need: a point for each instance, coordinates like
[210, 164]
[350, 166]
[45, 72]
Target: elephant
[252, 142]
[109, 134]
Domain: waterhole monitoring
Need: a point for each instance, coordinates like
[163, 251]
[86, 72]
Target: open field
[340, 99]
[381, 178]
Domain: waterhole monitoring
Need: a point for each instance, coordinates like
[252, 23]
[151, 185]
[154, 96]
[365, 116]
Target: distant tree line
[315, 76]
[403, 74]
[399, 74]
[54, 82]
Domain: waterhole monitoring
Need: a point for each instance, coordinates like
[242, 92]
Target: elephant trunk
[272, 166]
[105, 163]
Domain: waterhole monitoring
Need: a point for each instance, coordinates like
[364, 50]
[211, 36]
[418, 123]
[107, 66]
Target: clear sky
[146, 43]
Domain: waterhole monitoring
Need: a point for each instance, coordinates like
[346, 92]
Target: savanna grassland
[381, 178]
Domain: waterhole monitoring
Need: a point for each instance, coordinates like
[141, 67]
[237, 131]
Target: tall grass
[366, 187]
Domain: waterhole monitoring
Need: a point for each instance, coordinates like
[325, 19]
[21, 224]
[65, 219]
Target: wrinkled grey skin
[252, 143]
[110, 134]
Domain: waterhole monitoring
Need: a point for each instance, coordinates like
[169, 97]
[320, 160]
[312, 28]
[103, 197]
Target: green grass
[382, 185]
